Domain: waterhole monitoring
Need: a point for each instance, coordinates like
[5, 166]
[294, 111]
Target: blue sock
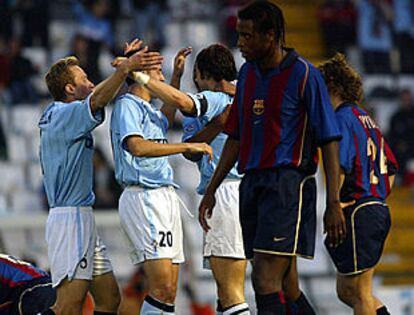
[270, 304]
[383, 311]
[152, 306]
[301, 306]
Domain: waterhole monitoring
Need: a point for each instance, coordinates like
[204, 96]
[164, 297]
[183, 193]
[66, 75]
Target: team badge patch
[258, 107]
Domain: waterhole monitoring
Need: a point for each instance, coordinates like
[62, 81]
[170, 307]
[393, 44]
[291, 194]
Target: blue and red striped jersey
[281, 116]
[15, 273]
[365, 156]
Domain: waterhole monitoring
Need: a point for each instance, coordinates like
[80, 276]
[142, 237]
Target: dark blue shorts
[278, 212]
[34, 298]
[367, 227]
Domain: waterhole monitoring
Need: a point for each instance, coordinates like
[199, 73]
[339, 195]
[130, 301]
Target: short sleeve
[347, 151]
[76, 118]
[131, 119]
[191, 126]
[232, 128]
[208, 104]
[319, 108]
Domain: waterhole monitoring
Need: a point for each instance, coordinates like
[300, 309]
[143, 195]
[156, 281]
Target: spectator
[6, 18]
[96, 28]
[36, 19]
[151, 15]
[229, 9]
[338, 21]
[404, 32]
[107, 190]
[374, 35]
[21, 72]
[402, 130]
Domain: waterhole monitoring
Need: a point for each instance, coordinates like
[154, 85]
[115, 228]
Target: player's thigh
[352, 287]
[228, 272]
[105, 291]
[71, 292]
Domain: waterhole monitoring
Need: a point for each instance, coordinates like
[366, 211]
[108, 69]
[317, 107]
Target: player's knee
[230, 294]
[350, 295]
[164, 292]
[72, 306]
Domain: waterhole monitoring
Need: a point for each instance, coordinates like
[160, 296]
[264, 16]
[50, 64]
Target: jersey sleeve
[319, 108]
[347, 150]
[208, 104]
[191, 126]
[232, 126]
[76, 118]
[130, 120]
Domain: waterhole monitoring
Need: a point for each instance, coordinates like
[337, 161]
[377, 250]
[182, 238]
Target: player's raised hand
[179, 61]
[334, 224]
[133, 45]
[205, 210]
[142, 60]
[204, 148]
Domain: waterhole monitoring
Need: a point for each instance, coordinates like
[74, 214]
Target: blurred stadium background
[376, 35]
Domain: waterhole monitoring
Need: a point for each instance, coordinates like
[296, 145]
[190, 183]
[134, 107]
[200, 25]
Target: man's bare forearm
[330, 154]
[228, 158]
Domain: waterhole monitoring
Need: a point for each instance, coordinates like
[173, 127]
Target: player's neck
[336, 101]
[273, 58]
[225, 87]
[141, 92]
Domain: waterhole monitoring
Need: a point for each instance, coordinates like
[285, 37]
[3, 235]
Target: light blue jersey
[66, 150]
[209, 105]
[134, 116]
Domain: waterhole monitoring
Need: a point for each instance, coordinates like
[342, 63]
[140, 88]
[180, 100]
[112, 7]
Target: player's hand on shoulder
[334, 224]
[204, 148]
[205, 210]
[179, 61]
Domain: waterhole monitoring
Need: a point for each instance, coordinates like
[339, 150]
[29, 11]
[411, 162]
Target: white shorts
[225, 239]
[75, 250]
[151, 221]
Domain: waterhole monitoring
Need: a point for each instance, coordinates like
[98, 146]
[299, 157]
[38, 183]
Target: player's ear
[69, 89]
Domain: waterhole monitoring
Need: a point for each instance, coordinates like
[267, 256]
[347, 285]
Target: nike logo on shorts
[278, 239]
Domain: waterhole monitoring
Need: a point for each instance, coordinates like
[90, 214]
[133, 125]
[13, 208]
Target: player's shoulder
[131, 101]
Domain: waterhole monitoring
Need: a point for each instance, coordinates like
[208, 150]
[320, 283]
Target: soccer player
[149, 207]
[214, 71]
[25, 289]
[77, 256]
[367, 175]
[280, 115]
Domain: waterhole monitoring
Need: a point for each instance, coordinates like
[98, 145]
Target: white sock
[152, 306]
[239, 309]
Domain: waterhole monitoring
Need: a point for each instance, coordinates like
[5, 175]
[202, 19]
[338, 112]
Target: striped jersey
[365, 156]
[15, 273]
[281, 116]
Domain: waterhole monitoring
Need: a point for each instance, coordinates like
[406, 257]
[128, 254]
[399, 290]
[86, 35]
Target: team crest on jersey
[258, 107]
[189, 128]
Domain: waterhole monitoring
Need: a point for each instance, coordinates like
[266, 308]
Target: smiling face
[254, 45]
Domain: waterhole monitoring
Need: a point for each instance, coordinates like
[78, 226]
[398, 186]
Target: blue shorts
[278, 212]
[367, 226]
[33, 298]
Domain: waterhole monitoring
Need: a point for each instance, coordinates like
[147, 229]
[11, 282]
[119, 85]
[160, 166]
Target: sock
[239, 309]
[271, 304]
[383, 311]
[152, 306]
[301, 306]
[102, 313]
[219, 308]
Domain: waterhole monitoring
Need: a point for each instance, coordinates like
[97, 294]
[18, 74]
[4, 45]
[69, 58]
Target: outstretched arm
[179, 65]
[145, 148]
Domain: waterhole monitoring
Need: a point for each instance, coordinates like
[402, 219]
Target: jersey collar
[345, 104]
[287, 61]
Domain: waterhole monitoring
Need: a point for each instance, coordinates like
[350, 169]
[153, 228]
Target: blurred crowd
[383, 30]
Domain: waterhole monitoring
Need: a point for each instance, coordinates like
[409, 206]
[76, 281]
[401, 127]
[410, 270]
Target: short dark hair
[341, 79]
[266, 16]
[216, 62]
[59, 75]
